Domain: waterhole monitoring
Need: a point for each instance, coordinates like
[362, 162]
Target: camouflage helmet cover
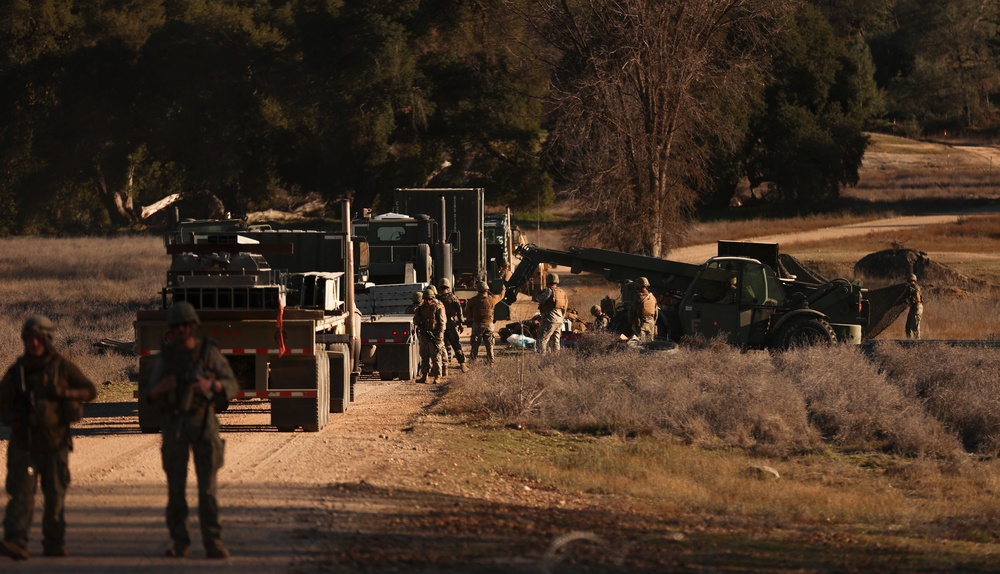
[913, 277]
[595, 310]
[481, 287]
[552, 278]
[429, 293]
[418, 297]
[732, 281]
[432, 289]
[37, 324]
[444, 283]
[642, 282]
[182, 313]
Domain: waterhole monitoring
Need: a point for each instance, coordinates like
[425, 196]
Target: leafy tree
[808, 141]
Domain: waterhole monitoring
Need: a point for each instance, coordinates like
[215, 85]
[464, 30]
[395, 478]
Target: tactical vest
[426, 317]
[183, 364]
[481, 309]
[558, 301]
[646, 306]
[48, 423]
[452, 307]
[914, 296]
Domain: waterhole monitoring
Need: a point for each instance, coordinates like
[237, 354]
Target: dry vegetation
[91, 288]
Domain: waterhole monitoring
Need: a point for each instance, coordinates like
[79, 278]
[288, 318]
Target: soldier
[916, 302]
[430, 320]
[191, 379]
[479, 311]
[455, 325]
[418, 298]
[600, 319]
[40, 396]
[642, 312]
[552, 304]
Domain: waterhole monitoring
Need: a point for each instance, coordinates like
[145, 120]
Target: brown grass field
[886, 464]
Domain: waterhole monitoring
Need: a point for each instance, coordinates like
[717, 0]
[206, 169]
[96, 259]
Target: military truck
[765, 311]
[280, 306]
[462, 221]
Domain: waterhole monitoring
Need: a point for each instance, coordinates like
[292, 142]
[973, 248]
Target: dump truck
[280, 306]
[766, 311]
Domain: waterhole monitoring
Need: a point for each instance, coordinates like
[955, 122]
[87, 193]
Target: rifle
[187, 393]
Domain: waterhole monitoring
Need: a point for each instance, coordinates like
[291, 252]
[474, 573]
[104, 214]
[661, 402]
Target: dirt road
[272, 487]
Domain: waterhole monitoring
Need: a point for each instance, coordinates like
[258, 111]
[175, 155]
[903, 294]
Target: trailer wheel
[806, 332]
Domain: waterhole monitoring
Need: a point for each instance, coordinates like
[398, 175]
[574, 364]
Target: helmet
[37, 324]
[482, 287]
[444, 283]
[732, 281]
[429, 293]
[552, 278]
[913, 277]
[418, 297]
[642, 282]
[181, 313]
[595, 310]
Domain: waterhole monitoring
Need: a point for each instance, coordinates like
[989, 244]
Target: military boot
[216, 550]
[444, 371]
[437, 380]
[422, 379]
[13, 550]
[463, 367]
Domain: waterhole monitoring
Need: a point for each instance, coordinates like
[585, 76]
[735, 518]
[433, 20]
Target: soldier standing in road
[430, 321]
[642, 311]
[455, 325]
[552, 304]
[916, 302]
[190, 380]
[40, 396]
[600, 319]
[479, 311]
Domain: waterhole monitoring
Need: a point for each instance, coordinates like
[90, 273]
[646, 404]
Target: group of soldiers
[440, 319]
[42, 393]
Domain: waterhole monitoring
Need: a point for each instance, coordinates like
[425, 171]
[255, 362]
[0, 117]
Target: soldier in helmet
[40, 396]
[642, 312]
[191, 380]
[479, 310]
[418, 298]
[552, 304]
[455, 325]
[916, 302]
[430, 321]
[600, 319]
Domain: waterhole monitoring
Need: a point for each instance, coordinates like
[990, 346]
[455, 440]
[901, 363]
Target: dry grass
[91, 288]
[776, 405]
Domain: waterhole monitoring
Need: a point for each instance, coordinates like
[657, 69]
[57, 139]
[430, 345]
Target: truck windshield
[391, 233]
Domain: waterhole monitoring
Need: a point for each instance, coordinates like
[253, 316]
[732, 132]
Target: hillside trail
[700, 253]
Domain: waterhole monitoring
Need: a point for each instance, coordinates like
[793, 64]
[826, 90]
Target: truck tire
[805, 332]
[424, 264]
[340, 377]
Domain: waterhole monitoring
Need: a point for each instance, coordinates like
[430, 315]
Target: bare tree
[641, 89]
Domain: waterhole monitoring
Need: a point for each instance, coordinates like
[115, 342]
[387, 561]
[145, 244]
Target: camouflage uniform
[34, 403]
[915, 300]
[479, 311]
[552, 304]
[190, 424]
[601, 320]
[456, 321]
[642, 311]
[430, 320]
